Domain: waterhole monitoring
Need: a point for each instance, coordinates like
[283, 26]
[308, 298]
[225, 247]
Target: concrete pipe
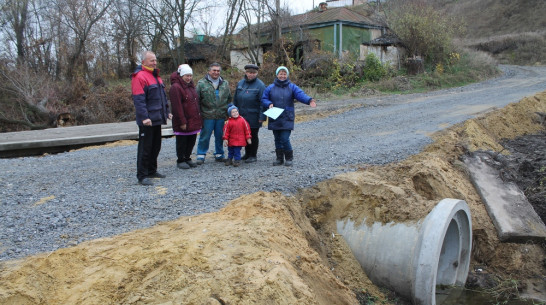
[413, 258]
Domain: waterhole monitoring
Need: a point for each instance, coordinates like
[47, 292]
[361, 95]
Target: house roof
[198, 51]
[331, 15]
[388, 39]
[355, 15]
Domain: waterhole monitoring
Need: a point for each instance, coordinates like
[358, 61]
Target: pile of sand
[266, 248]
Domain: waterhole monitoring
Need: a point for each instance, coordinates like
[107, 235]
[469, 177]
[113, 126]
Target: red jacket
[185, 105]
[236, 131]
[149, 96]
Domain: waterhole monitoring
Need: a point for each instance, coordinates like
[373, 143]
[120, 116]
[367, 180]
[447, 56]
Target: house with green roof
[340, 30]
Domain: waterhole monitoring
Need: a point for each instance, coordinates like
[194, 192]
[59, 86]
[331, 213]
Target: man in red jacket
[236, 136]
[152, 110]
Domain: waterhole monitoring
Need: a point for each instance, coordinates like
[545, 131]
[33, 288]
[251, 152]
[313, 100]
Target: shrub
[270, 65]
[424, 31]
[476, 65]
[28, 98]
[373, 69]
[105, 105]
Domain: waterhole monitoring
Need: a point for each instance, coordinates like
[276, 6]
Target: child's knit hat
[231, 107]
[282, 68]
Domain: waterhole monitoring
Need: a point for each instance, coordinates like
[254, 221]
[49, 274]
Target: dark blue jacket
[247, 98]
[149, 96]
[282, 94]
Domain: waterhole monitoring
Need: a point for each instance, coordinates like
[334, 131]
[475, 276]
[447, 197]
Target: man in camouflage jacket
[214, 97]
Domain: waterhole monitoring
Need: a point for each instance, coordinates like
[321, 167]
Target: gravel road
[60, 200]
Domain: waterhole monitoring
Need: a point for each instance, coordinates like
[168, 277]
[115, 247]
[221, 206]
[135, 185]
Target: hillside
[512, 31]
[487, 18]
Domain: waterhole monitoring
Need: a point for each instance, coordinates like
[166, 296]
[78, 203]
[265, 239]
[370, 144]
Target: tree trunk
[19, 13]
[181, 28]
[231, 23]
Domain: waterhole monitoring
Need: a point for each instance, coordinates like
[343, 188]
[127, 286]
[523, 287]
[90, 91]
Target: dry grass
[488, 18]
[519, 49]
[513, 31]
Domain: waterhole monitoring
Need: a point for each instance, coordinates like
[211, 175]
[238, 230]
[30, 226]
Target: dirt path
[516, 83]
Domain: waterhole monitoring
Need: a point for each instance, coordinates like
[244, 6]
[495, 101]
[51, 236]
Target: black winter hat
[252, 67]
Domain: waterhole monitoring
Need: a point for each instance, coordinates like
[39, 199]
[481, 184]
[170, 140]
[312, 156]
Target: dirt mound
[266, 248]
[256, 250]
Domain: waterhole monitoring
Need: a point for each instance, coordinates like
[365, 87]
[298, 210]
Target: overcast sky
[301, 6]
[295, 6]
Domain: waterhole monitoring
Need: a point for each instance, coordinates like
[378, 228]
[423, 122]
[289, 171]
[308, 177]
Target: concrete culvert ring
[418, 256]
[444, 250]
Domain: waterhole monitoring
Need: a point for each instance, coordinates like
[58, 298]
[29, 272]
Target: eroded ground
[266, 248]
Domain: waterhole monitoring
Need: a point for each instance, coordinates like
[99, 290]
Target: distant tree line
[52, 50]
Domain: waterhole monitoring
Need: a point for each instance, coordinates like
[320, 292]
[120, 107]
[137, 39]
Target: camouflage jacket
[212, 107]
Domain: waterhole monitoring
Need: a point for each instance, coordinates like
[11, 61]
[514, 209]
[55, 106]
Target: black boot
[289, 156]
[280, 157]
[251, 155]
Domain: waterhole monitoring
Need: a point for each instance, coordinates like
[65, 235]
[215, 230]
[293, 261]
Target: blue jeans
[282, 139]
[209, 126]
[234, 152]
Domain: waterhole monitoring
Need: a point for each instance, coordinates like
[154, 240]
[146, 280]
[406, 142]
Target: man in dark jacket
[152, 110]
[247, 98]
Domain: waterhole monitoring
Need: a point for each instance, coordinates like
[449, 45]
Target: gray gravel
[57, 201]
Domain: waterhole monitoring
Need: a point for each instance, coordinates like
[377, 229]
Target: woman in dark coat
[281, 94]
[187, 120]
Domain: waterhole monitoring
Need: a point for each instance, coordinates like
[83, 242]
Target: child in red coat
[236, 136]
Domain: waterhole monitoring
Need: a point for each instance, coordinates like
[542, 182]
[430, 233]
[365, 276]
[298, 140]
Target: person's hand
[147, 122]
[183, 126]
[270, 106]
[170, 116]
[249, 141]
[313, 103]
[225, 143]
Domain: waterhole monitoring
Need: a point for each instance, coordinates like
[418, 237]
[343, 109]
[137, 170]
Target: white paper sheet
[274, 112]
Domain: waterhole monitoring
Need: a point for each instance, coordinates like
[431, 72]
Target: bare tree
[128, 27]
[16, 16]
[30, 91]
[39, 39]
[253, 11]
[276, 18]
[232, 18]
[425, 31]
[277, 15]
[27, 29]
[203, 23]
[80, 16]
[60, 41]
[166, 24]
